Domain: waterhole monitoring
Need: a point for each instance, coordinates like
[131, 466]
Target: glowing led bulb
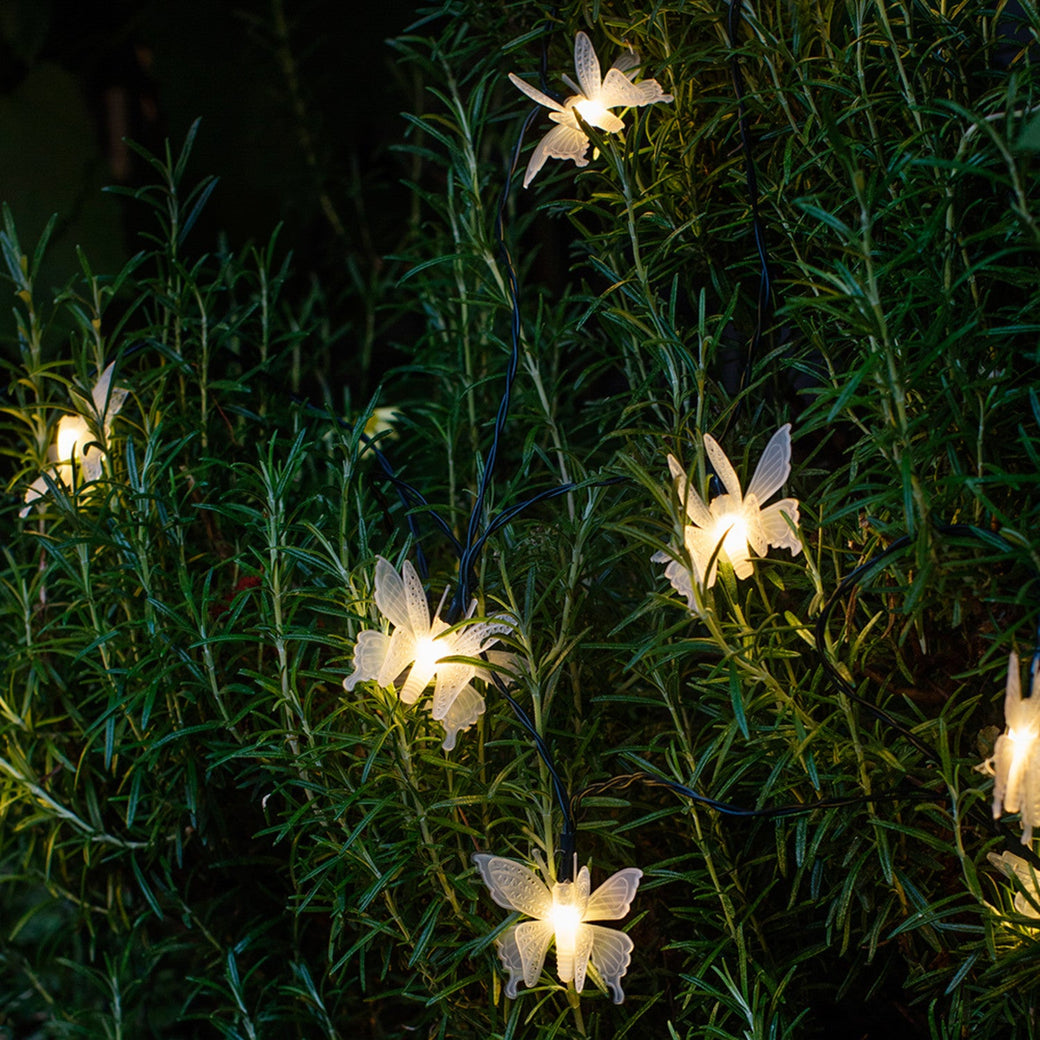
[426, 654]
[79, 440]
[732, 532]
[73, 437]
[591, 111]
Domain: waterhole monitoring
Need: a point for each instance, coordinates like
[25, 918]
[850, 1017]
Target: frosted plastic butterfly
[82, 437]
[734, 523]
[594, 96]
[1015, 764]
[561, 912]
[419, 646]
[1027, 901]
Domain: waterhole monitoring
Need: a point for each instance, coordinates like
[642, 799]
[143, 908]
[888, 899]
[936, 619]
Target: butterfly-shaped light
[420, 646]
[594, 97]
[734, 523]
[561, 912]
[1027, 901]
[1015, 764]
[82, 438]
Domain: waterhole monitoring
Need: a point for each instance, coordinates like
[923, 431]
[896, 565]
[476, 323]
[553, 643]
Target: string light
[594, 95]
[561, 913]
[734, 524]
[82, 439]
[1015, 764]
[425, 649]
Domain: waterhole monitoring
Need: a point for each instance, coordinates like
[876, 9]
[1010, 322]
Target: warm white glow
[565, 920]
[427, 654]
[73, 437]
[591, 111]
[732, 532]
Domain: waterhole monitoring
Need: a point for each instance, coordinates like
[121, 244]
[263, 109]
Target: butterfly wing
[532, 942]
[400, 652]
[692, 503]
[451, 678]
[534, 93]
[611, 901]
[390, 595]
[107, 399]
[369, 655]
[514, 886]
[627, 61]
[611, 955]
[561, 142]
[415, 598]
[467, 707]
[722, 466]
[510, 956]
[586, 65]
[775, 528]
[619, 91]
[774, 467]
[582, 953]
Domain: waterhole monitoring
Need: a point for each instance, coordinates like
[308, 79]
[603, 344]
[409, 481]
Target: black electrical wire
[469, 554]
[851, 581]
[726, 808]
[568, 835]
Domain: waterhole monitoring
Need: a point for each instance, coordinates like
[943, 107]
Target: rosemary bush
[203, 834]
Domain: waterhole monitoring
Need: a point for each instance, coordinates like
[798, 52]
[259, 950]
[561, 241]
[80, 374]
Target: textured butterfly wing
[579, 967]
[473, 638]
[619, 91]
[561, 142]
[514, 886]
[774, 467]
[611, 901]
[509, 955]
[369, 655]
[400, 652]
[415, 598]
[692, 503]
[586, 65]
[627, 61]
[451, 678]
[722, 466]
[701, 546]
[534, 93]
[611, 956]
[107, 399]
[390, 595]
[680, 578]
[532, 942]
[777, 531]
[467, 707]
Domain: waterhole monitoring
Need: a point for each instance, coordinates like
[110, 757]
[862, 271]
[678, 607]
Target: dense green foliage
[202, 834]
